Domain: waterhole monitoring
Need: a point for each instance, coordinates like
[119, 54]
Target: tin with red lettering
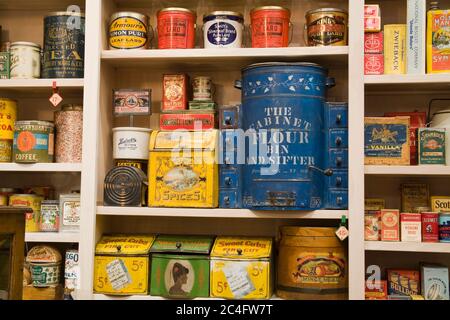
[430, 227]
[270, 27]
[176, 28]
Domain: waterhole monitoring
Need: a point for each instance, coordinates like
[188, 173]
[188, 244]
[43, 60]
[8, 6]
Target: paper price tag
[118, 274]
[55, 99]
[238, 279]
[342, 233]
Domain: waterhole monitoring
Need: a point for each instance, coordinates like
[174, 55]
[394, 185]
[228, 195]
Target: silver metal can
[202, 88]
[25, 60]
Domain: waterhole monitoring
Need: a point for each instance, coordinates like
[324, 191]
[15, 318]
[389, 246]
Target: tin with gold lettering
[326, 27]
[128, 30]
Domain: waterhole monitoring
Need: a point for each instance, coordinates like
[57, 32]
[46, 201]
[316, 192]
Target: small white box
[411, 227]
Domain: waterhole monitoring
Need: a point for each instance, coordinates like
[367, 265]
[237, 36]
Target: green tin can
[33, 141]
[431, 146]
[202, 105]
[180, 266]
[4, 65]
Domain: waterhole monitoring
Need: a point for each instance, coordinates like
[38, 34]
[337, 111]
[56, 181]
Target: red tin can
[430, 227]
[176, 28]
[187, 120]
[270, 27]
[175, 92]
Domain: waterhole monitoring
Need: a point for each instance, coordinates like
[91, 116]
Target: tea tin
[223, 29]
[180, 266]
[444, 227]
[327, 27]
[33, 141]
[128, 30]
[430, 227]
[122, 264]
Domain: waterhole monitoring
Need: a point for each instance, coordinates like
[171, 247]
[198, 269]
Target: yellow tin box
[241, 268]
[440, 204]
[183, 171]
[394, 48]
[122, 264]
[438, 41]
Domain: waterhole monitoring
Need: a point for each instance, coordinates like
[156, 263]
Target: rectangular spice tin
[403, 282]
[188, 120]
[373, 43]
[431, 146]
[183, 171]
[430, 227]
[438, 39]
[394, 48]
[241, 268]
[411, 227]
[180, 266]
[132, 102]
[386, 141]
[373, 64]
[435, 282]
[175, 92]
[414, 195]
[390, 225]
[440, 203]
[122, 264]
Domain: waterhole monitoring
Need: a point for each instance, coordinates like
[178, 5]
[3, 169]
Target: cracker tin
[69, 205]
[4, 65]
[373, 43]
[373, 64]
[430, 227]
[376, 290]
[394, 48]
[444, 227]
[438, 41]
[386, 141]
[372, 226]
[241, 268]
[180, 266]
[403, 282]
[431, 146]
[188, 120]
[183, 171]
[414, 195]
[440, 204]
[175, 92]
[435, 284]
[411, 227]
[132, 102]
[390, 225]
[29, 201]
[374, 204]
[122, 264]
[372, 24]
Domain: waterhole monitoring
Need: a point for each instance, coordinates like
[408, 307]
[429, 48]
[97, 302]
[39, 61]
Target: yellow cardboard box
[395, 48]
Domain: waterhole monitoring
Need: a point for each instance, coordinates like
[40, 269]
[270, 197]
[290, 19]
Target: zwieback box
[122, 264]
[241, 268]
[180, 266]
[182, 169]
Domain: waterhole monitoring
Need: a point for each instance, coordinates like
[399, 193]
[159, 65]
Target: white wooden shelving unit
[59, 237]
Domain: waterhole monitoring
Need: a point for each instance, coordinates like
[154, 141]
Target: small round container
[33, 141]
[202, 88]
[29, 201]
[45, 266]
[128, 30]
[176, 28]
[131, 143]
[49, 219]
[444, 227]
[69, 134]
[326, 27]
[25, 60]
[223, 29]
[270, 27]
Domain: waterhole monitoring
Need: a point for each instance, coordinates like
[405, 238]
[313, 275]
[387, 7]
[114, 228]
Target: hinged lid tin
[183, 244]
[185, 139]
[124, 245]
[242, 248]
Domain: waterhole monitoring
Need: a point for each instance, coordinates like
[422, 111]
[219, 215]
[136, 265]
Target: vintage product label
[197, 105]
[435, 282]
[444, 227]
[371, 10]
[8, 115]
[132, 102]
[403, 282]
[372, 226]
[395, 49]
[128, 33]
[411, 227]
[71, 270]
[238, 248]
[49, 219]
[373, 43]
[414, 195]
[187, 121]
[431, 146]
[373, 64]
[6, 150]
[223, 31]
[139, 164]
[438, 41]
[269, 31]
[71, 213]
[390, 225]
[440, 203]
[176, 30]
[32, 217]
[174, 92]
[386, 141]
[376, 290]
[4, 65]
[44, 275]
[430, 227]
[125, 244]
[372, 24]
[327, 29]
[374, 204]
[415, 39]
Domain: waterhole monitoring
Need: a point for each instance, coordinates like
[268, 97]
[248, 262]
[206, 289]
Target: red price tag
[342, 233]
[55, 99]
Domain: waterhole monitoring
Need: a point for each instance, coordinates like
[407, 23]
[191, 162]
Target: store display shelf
[425, 170]
[25, 87]
[236, 57]
[98, 296]
[219, 213]
[62, 237]
[41, 167]
[407, 246]
[408, 82]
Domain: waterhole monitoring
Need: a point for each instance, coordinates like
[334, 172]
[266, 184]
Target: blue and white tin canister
[223, 29]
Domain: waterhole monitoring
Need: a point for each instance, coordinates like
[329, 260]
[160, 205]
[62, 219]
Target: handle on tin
[151, 35]
[291, 32]
[429, 109]
[330, 82]
[238, 84]
[327, 172]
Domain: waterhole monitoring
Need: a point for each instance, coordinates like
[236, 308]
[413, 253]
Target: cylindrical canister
[63, 45]
[33, 141]
[69, 134]
[45, 266]
[176, 28]
[312, 264]
[5, 193]
[128, 30]
[49, 219]
[29, 201]
[71, 271]
[131, 143]
[430, 226]
[444, 227]
[202, 88]
[441, 119]
[326, 27]
[25, 60]
[223, 29]
[283, 104]
[8, 115]
[270, 27]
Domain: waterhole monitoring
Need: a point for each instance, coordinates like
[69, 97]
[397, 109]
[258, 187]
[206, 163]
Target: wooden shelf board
[61, 237]
[407, 82]
[231, 58]
[219, 213]
[40, 86]
[40, 167]
[98, 296]
[425, 170]
[407, 246]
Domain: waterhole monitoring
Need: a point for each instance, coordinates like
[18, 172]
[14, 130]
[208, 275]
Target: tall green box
[431, 146]
[180, 266]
